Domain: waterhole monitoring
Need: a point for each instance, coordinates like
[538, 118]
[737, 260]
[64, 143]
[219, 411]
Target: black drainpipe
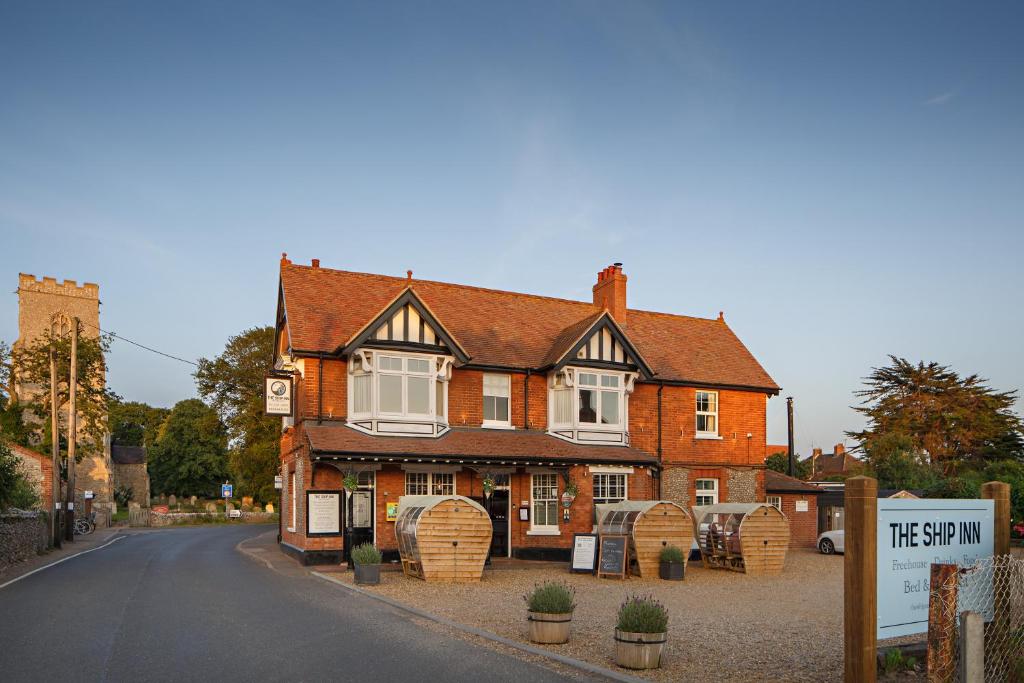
[320, 390]
[526, 401]
[661, 386]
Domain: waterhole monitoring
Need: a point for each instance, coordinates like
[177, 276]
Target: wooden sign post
[999, 492]
[860, 580]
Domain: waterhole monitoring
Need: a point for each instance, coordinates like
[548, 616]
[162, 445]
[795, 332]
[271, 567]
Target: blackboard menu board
[612, 560]
[584, 553]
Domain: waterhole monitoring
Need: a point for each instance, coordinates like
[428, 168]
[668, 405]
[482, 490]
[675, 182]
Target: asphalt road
[184, 604]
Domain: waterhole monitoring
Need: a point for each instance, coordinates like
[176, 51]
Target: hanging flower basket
[351, 482]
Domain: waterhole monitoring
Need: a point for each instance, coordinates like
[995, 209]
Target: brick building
[38, 469]
[407, 386]
[798, 500]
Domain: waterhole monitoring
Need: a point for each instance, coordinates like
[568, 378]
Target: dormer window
[399, 393]
[590, 405]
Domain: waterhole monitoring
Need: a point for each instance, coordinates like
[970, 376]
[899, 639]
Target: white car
[831, 542]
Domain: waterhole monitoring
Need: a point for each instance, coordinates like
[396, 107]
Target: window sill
[290, 529]
[544, 532]
[496, 425]
[712, 437]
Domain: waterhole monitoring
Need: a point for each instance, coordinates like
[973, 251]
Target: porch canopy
[464, 445]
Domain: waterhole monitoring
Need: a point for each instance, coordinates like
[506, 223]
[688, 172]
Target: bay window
[707, 413]
[600, 398]
[403, 393]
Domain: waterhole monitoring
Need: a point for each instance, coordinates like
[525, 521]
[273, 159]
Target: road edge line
[63, 559]
[488, 635]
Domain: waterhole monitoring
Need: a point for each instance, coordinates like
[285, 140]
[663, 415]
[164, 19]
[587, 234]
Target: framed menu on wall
[323, 513]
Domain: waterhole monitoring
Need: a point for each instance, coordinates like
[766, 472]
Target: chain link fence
[993, 587]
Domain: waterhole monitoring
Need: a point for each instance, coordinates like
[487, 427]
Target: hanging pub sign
[912, 534]
[277, 395]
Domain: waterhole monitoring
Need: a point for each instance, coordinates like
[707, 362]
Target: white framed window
[497, 403]
[707, 491]
[599, 398]
[561, 401]
[775, 501]
[295, 503]
[430, 483]
[707, 413]
[609, 488]
[544, 503]
[404, 386]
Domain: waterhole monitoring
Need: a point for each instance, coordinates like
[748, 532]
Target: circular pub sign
[567, 499]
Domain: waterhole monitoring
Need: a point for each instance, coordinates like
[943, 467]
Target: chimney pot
[610, 292]
[316, 263]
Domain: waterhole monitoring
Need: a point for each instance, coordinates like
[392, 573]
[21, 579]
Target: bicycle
[85, 525]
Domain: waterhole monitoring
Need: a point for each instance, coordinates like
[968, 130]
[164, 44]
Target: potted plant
[640, 633]
[366, 563]
[672, 565]
[549, 612]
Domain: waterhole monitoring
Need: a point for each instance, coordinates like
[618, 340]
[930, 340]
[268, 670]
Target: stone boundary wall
[170, 518]
[22, 536]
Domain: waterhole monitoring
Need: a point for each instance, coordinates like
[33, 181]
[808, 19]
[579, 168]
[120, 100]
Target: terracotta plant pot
[549, 628]
[672, 571]
[367, 574]
[639, 650]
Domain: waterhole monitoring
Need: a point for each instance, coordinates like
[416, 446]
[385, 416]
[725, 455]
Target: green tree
[15, 489]
[780, 463]
[232, 383]
[11, 422]
[954, 419]
[133, 423]
[893, 460]
[33, 367]
[189, 457]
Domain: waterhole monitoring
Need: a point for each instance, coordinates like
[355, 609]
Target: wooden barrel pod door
[359, 517]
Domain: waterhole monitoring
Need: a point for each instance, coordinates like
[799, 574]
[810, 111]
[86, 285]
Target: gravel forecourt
[723, 625]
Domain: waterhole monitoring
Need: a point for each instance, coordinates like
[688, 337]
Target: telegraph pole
[69, 516]
[55, 518]
[792, 455]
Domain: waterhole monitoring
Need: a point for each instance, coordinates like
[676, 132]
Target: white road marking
[63, 559]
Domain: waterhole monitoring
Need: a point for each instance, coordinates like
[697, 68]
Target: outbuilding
[798, 501]
[746, 537]
[442, 538]
[650, 526]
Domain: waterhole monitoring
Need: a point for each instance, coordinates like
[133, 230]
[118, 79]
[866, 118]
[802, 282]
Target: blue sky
[844, 181]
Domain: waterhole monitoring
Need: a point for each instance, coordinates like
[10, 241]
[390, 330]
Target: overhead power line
[141, 346]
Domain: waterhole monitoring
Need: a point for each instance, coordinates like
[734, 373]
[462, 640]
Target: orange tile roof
[326, 307]
[468, 443]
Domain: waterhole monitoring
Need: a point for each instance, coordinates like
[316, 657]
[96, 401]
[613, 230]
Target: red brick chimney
[316, 263]
[610, 292]
[815, 454]
[840, 449]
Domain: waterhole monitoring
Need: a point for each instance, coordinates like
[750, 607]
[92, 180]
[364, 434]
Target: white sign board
[324, 513]
[801, 506]
[277, 395]
[912, 534]
[584, 552]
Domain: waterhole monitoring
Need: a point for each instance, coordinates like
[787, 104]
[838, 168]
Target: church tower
[46, 304]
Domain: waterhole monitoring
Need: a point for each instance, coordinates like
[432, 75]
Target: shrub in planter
[550, 606]
[640, 633]
[366, 563]
[672, 566]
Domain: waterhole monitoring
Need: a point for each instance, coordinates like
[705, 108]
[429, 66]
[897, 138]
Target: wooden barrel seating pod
[744, 537]
[650, 525]
[442, 538]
